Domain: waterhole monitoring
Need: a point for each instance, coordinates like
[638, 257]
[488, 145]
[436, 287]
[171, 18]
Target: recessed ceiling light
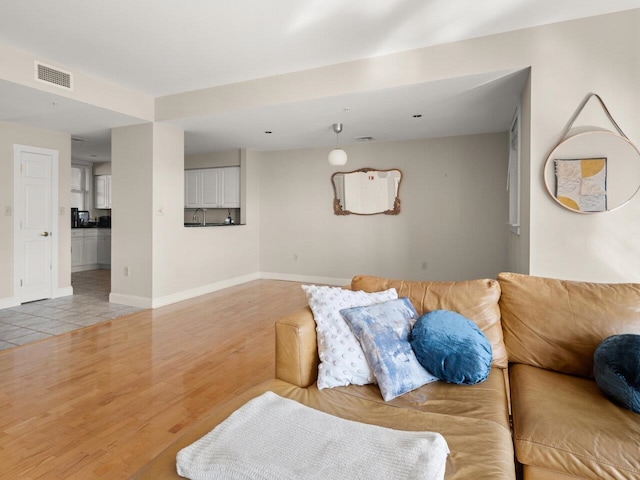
[418, 115]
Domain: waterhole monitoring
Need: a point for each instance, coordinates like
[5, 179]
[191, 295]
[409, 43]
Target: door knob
[44, 234]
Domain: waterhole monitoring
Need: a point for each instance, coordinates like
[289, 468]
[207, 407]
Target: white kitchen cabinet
[212, 188]
[85, 248]
[192, 188]
[211, 179]
[230, 195]
[77, 248]
[102, 185]
[104, 247]
[91, 247]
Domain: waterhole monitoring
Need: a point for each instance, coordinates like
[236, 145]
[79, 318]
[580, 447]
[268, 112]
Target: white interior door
[35, 228]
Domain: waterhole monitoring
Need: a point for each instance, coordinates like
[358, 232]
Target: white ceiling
[160, 47]
[468, 105]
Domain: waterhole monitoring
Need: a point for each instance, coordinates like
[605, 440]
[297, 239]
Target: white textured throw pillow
[342, 361]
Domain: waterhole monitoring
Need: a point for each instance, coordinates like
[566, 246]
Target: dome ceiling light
[337, 156]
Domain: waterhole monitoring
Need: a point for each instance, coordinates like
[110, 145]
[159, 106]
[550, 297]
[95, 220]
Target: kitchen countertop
[200, 225]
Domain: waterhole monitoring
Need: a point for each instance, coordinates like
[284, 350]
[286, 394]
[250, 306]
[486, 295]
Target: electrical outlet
[424, 265]
[159, 211]
[127, 272]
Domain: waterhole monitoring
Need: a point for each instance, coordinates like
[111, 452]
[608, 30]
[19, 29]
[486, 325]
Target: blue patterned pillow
[616, 368]
[383, 332]
[451, 347]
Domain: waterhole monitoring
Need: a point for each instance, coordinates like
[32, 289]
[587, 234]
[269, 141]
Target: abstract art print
[581, 184]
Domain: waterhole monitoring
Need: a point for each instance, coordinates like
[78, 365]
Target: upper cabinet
[212, 188]
[230, 194]
[192, 188]
[102, 191]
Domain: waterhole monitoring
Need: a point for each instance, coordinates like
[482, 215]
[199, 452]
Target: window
[513, 175]
[80, 186]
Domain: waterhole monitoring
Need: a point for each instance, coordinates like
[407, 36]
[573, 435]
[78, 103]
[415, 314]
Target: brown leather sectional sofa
[564, 426]
[543, 333]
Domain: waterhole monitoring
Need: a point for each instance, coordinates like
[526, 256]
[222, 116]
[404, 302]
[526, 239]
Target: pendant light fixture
[337, 156]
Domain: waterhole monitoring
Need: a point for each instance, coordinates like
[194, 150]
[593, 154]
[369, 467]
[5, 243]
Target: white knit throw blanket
[271, 437]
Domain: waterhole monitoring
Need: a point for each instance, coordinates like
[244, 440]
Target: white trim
[339, 282]
[90, 266]
[17, 215]
[89, 180]
[515, 164]
[131, 300]
[146, 302]
[9, 302]
[62, 292]
[203, 290]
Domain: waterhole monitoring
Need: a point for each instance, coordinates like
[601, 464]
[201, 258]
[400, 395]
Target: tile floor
[88, 305]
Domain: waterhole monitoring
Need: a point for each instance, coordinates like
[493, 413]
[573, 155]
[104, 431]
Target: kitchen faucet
[204, 215]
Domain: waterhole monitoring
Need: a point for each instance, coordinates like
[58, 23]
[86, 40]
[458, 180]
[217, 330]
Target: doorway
[35, 229]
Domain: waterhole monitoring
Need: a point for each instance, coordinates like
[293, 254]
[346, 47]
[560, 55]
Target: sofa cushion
[477, 300]
[467, 436]
[342, 360]
[383, 331]
[557, 324]
[564, 423]
[617, 369]
[451, 347]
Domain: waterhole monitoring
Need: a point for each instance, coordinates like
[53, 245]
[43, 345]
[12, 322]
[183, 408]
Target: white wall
[19, 66]
[600, 55]
[132, 207]
[10, 134]
[453, 213]
[518, 246]
[195, 261]
[167, 261]
[214, 159]
[568, 60]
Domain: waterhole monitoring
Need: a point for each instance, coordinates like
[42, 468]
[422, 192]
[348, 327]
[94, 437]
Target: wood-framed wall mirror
[366, 191]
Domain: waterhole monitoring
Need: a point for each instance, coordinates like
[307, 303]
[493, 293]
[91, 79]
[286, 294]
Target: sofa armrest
[297, 349]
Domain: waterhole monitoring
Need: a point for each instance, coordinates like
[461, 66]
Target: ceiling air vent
[54, 76]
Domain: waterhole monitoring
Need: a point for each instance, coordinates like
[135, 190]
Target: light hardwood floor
[100, 402]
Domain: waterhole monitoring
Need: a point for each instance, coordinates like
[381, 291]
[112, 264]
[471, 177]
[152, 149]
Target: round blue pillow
[451, 347]
[616, 368]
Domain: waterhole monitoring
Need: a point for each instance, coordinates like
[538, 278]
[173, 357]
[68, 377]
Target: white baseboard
[14, 302]
[340, 282]
[146, 302]
[9, 302]
[131, 300]
[62, 292]
[203, 290]
[84, 268]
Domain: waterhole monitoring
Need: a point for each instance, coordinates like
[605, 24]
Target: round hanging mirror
[593, 172]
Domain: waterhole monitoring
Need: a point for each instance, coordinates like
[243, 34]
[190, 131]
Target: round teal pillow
[616, 368]
[451, 347]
